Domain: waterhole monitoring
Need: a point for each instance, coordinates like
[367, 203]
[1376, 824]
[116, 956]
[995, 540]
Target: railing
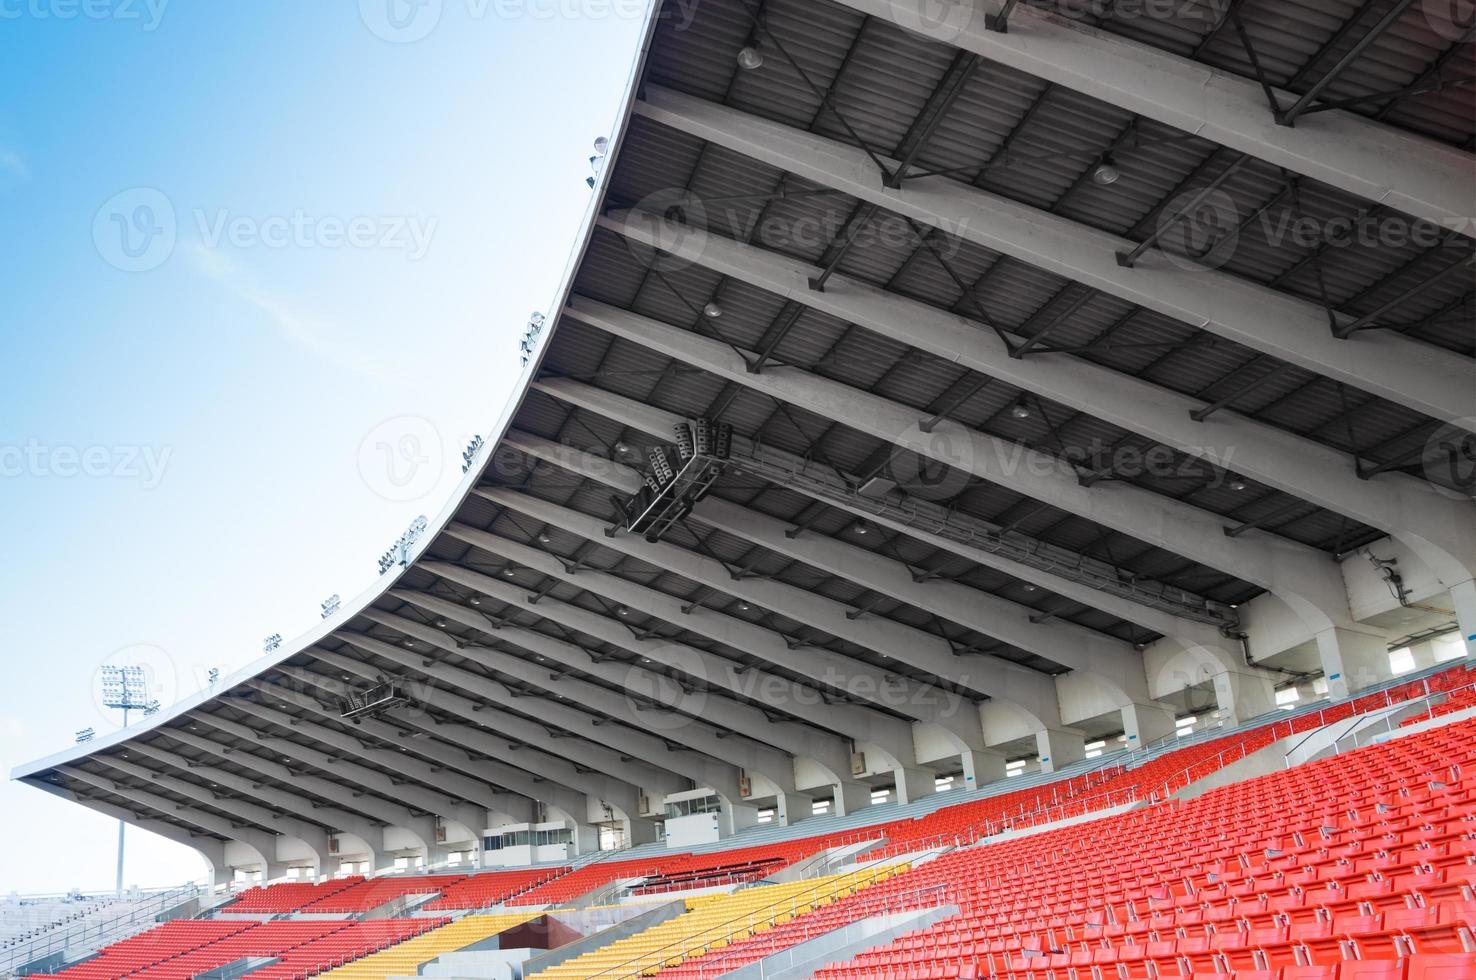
[95, 934]
[1290, 726]
[724, 932]
[915, 898]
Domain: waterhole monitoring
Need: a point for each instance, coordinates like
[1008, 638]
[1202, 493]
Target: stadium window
[881, 795]
[942, 784]
[1095, 749]
[819, 808]
[766, 816]
[1184, 726]
[1287, 698]
[1401, 661]
[1319, 686]
[1448, 647]
[1014, 768]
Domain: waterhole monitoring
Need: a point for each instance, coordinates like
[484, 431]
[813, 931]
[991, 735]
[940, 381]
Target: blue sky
[265, 267]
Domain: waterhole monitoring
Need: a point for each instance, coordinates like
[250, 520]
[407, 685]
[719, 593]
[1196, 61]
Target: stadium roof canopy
[1072, 386]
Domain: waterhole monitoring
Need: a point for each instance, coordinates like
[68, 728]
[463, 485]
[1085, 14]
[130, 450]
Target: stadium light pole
[125, 688]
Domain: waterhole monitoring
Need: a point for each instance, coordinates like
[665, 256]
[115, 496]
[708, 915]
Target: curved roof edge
[387, 581]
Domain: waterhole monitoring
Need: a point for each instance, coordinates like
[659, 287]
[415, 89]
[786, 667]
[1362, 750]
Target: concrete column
[791, 808]
[981, 768]
[586, 837]
[1352, 660]
[1463, 597]
[1423, 654]
[850, 798]
[1145, 723]
[1059, 748]
[1240, 696]
[914, 784]
[735, 817]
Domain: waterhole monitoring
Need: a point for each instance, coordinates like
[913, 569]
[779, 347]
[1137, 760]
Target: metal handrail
[1162, 792]
[93, 933]
[774, 908]
[717, 969]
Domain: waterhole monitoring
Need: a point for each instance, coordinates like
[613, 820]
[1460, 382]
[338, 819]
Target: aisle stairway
[406, 958]
[712, 921]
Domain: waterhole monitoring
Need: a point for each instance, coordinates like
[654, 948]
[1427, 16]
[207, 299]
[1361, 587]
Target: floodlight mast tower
[126, 688]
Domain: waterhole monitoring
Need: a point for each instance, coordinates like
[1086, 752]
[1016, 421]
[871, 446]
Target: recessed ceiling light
[1029, 587]
[1106, 173]
[544, 538]
[1236, 485]
[712, 310]
[509, 572]
[622, 611]
[1020, 410]
[475, 601]
[749, 56]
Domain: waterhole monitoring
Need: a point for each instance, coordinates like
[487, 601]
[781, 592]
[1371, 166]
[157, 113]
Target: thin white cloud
[11, 165]
[313, 334]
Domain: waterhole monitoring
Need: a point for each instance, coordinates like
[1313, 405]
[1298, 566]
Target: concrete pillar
[1241, 696]
[791, 808]
[1058, 748]
[1423, 654]
[914, 784]
[1463, 597]
[1352, 660]
[639, 831]
[981, 768]
[736, 817]
[586, 837]
[1145, 723]
[850, 798]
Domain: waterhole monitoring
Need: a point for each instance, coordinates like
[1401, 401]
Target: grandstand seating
[366, 895]
[263, 939]
[1357, 867]
[737, 865]
[146, 949]
[405, 958]
[344, 946]
[711, 921]
[491, 888]
[566, 888]
[1456, 701]
[289, 896]
[1363, 857]
[185, 948]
